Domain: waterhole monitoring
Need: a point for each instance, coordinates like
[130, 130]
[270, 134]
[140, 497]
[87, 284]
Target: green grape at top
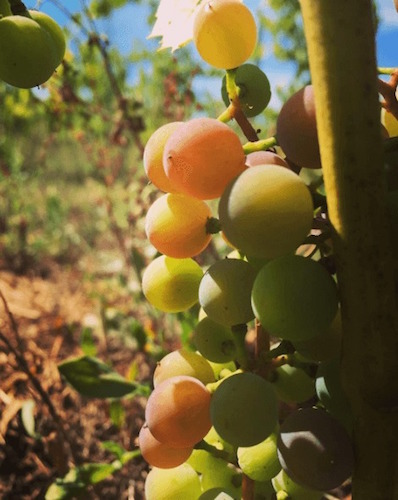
[260, 462]
[294, 298]
[266, 211]
[180, 482]
[32, 46]
[224, 33]
[254, 89]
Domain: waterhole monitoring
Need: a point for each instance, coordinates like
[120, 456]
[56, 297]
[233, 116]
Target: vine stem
[340, 41]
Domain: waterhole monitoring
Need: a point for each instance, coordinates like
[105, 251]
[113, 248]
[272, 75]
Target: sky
[128, 26]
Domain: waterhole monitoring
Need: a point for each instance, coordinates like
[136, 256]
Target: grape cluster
[217, 414]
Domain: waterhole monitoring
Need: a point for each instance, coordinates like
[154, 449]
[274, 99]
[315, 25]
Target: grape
[202, 156]
[296, 129]
[224, 33]
[390, 123]
[177, 411]
[265, 158]
[5, 9]
[214, 341]
[217, 494]
[175, 224]
[172, 285]
[263, 490]
[260, 462]
[266, 211]
[153, 156]
[315, 450]
[244, 409]
[220, 368]
[254, 89]
[224, 292]
[178, 483]
[159, 454]
[213, 438]
[183, 362]
[294, 298]
[282, 482]
[292, 384]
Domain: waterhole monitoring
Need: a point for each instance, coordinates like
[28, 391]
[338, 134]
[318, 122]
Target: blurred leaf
[28, 418]
[87, 342]
[114, 448]
[103, 8]
[117, 413]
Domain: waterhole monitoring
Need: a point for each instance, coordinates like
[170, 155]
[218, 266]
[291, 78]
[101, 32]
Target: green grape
[5, 9]
[175, 224]
[159, 454]
[214, 341]
[254, 89]
[213, 438]
[263, 490]
[183, 362]
[55, 32]
[315, 450]
[202, 156]
[292, 384]
[224, 33]
[224, 292]
[331, 394]
[266, 211]
[282, 482]
[178, 483]
[220, 368]
[260, 462]
[217, 494]
[296, 129]
[172, 285]
[244, 409]
[178, 411]
[294, 298]
[265, 158]
[218, 473]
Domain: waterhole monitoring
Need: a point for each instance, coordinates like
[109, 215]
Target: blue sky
[127, 26]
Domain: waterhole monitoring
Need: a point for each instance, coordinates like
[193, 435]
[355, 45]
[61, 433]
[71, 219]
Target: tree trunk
[341, 46]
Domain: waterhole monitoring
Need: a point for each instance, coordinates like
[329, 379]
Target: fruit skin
[282, 482]
[5, 9]
[224, 33]
[31, 48]
[296, 130]
[265, 158]
[293, 385]
[260, 462]
[180, 482]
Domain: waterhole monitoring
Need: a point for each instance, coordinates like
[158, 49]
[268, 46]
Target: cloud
[387, 14]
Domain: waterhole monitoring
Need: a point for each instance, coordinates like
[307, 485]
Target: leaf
[28, 418]
[114, 448]
[117, 413]
[87, 342]
[93, 378]
[174, 22]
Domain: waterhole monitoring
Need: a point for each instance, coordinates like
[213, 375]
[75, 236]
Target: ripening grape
[224, 33]
[315, 450]
[202, 156]
[292, 384]
[244, 409]
[294, 298]
[180, 483]
[296, 129]
[175, 224]
[254, 89]
[265, 158]
[224, 292]
[177, 411]
[159, 454]
[266, 211]
[183, 362]
[214, 341]
[172, 285]
[260, 462]
[282, 482]
[217, 473]
[153, 156]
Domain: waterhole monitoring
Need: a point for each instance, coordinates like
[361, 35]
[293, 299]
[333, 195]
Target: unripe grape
[175, 224]
[254, 89]
[202, 156]
[294, 298]
[153, 156]
[266, 211]
[172, 285]
[224, 292]
[159, 454]
[180, 482]
[265, 158]
[224, 33]
[178, 411]
[292, 384]
[282, 482]
[217, 494]
[183, 362]
[296, 129]
[214, 341]
[260, 462]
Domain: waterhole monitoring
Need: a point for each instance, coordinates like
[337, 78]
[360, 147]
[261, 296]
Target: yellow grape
[175, 224]
[178, 483]
[266, 211]
[153, 156]
[390, 123]
[225, 33]
[172, 285]
[159, 454]
[178, 411]
[202, 157]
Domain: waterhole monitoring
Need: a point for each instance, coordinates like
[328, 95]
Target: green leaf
[114, 448]
[93, 378]
[117, 413]
[87, 342]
